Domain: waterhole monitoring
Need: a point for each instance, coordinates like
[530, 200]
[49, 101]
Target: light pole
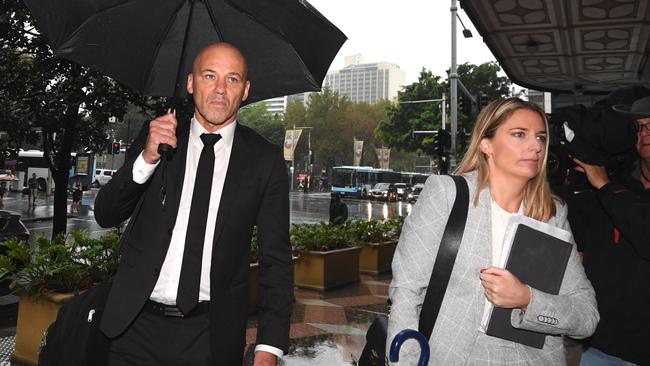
[453, 77]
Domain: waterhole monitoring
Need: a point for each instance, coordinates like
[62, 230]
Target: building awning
[567, 46]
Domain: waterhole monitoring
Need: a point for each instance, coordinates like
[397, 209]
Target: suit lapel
[239, 156]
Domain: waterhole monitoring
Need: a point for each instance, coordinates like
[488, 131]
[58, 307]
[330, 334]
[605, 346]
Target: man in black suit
[176, 299]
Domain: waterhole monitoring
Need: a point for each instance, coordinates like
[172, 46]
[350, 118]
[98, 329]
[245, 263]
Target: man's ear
[246, 88]
[190, 83]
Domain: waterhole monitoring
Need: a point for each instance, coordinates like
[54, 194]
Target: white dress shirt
[167, 285]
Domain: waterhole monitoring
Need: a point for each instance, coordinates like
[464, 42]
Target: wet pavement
[327, 328]
[304, 208]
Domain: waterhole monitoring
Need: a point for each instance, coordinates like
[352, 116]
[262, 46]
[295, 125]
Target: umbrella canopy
[7, 176]
[149, 45]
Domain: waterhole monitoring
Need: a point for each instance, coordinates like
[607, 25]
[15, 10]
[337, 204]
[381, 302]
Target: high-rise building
[276, 105]
[300, 97]
[366, 82]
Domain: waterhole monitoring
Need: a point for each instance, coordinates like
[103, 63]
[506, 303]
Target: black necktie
[190, 279]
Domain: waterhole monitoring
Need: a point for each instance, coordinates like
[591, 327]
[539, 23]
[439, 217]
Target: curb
[45, 218]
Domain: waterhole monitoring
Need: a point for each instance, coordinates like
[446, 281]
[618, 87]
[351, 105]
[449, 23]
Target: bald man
[180, 295]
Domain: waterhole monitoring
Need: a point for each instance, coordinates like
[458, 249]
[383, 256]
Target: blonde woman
[505, 167]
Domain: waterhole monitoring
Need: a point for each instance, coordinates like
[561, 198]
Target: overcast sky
[410, 33]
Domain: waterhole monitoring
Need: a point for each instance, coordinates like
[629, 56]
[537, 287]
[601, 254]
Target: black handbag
[374, 352]
[74, 338]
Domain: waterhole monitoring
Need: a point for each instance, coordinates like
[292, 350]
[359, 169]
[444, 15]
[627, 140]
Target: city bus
[356, 181]
[413, 178]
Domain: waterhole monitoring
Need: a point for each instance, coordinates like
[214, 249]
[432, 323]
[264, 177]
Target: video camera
[596, 135]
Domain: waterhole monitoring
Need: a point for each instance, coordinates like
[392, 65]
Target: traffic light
[436, 142]
[443, 142]
[116, 147]
[465, 105]
[479, 101]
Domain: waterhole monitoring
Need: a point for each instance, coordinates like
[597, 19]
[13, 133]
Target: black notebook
[537, 259]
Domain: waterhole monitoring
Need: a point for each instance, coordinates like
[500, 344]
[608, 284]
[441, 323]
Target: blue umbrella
[402, 336]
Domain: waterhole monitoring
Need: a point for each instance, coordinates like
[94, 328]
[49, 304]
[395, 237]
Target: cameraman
[618, 265]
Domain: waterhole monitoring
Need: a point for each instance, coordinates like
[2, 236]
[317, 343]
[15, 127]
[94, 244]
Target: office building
[366, 82]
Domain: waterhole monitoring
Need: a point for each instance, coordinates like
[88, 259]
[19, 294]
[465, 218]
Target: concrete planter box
[325, 270]
[376, 258]
[34, 316]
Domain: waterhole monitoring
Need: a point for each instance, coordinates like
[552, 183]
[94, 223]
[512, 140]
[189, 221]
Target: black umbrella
[149, 45]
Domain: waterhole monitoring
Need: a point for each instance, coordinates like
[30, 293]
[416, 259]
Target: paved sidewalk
[19, 203]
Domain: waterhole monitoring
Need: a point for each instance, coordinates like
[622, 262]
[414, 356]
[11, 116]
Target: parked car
[403, 190]
[102, 176]
[415, 193]
[10, 226]
[384, 191]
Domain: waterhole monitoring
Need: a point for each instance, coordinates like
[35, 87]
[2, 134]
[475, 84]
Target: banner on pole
[291, 138]
[383, 156]
[358, 152]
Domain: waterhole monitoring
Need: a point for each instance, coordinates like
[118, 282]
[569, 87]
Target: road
[305, 208]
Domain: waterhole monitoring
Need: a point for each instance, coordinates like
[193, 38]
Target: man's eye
[233, 79]
[208, 77]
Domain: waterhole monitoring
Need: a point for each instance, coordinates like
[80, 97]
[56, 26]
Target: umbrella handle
[402, 336]
[165, 150]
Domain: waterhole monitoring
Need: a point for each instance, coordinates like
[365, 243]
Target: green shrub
[319, 237]
[362, 232]
[66, 263]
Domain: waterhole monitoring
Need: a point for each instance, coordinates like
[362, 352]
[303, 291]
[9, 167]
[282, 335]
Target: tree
[257, 117]
[482, 80]
[397, 130]
[327, 114]
[295, 115]
[69, 104]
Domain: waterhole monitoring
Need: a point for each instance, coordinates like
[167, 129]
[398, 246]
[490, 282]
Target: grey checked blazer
[456, 339]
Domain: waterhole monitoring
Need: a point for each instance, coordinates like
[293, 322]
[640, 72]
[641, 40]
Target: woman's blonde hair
[538, 197]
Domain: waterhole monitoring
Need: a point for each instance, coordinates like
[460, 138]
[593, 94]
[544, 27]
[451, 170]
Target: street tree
[484, 83]
[257, 117]
[69, 104]
[396, 131]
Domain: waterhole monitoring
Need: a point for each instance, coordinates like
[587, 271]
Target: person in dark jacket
[612, 225]
[338, 210]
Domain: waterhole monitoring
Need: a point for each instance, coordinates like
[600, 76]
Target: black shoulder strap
[446, 257]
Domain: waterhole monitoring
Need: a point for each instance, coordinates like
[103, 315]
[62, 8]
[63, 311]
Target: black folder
[538, 260]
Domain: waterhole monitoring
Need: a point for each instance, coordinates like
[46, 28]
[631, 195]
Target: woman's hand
[503, 289]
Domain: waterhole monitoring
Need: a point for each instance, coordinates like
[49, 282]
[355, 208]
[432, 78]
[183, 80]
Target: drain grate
[7, 345]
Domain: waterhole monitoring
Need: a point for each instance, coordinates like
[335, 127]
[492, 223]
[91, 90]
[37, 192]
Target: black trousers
[154, 340]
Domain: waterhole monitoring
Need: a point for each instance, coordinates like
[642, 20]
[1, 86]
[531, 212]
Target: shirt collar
[227, 133]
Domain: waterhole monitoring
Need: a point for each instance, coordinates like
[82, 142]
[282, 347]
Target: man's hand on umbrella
[162, 130]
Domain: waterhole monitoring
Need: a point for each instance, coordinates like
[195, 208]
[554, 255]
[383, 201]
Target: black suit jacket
[255, 193]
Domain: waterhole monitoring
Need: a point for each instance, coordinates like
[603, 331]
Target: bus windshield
[342, 177]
